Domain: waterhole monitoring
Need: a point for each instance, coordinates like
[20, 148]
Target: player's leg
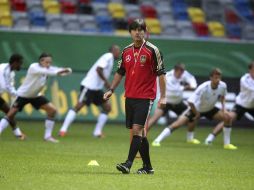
[186, 117]
[50, 109]
[16, 130]
[103, 117]
[190, 134]
[221, 116]
[70, 117]
[16, 107]
[154, 118]
[9, 117]
[72, 113]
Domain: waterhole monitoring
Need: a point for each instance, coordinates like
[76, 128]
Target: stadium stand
[233, 19]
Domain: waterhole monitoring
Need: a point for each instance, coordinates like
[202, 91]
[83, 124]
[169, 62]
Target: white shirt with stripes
[7, 79]
[246, 96]
[174, 87]
[204, 98]
[36, 79]
[92, 80]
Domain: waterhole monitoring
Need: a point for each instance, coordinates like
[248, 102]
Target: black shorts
[91, 96]
[240, 111]
[2, 102]
[177, 108]
[36, 102]
[209, 114]
[137, 111]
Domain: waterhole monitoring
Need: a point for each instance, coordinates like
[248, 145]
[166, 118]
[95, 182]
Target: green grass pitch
[38, 165]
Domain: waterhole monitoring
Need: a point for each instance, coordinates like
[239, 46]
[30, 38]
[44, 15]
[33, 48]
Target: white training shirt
[35, 80]
[92, 80]
[7, 79]
[246, 96]
[204, 98]
[174, 88]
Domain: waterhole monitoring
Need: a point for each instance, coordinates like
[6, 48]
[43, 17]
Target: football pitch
[38, 165]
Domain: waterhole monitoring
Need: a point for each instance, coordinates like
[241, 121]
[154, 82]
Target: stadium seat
[4, 6]
[37, 18]
[85, 8]
[51, 7]
[196, 14]
[19, 5]
[231, 17]
[21, 20]
[34, 5]
[132, 11]
[214, 10]
[201, 29]
[54, 22]
[194, 3]
[71, 22]
[68, 7]
[6, 19]
[248, 32]
[88, 23]
[100, 9]
[120, 24]
[233, 31]
[148, 11]
[169, 28]
[179, 10]
[185, 29]
[105, 24]
[153, 26]
[116, 10]
[216, 29]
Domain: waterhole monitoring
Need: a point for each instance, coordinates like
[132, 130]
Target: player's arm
[117, 79]
[194, 110]
[51, 71]
[222, 100]
[162, 84]
[9, 82]
[246, 85]
[99, 71]
[160, 71]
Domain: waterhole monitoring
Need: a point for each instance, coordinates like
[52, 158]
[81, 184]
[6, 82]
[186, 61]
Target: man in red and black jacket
[141, 64]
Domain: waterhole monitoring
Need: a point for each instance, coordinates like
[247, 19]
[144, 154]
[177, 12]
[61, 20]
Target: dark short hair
[43, 55]
[15, 58]
[137, 23]
[110, 49]
[179, 66]
[215, 71]
[251, 65]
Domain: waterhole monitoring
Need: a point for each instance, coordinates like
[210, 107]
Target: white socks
[165, 133]
[210, 138]
[49, 125]
[17, 132]
[102, 119]
[3, 124]
[190, 135]
[68, 120]
[226, 134]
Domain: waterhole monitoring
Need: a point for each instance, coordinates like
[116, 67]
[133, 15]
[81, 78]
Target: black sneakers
[123, 167]
[145, 170]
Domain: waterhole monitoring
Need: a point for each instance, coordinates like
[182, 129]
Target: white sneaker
[208, 142]
[51, 139]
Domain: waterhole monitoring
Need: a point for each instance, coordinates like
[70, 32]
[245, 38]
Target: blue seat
[37, 18]
[105, 24]
[234, 31]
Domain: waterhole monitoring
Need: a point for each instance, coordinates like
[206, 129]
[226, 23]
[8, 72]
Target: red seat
[68, 7]
[201, 29]
[231, 17]
[148, 11]
[18, 5]
[84, 1]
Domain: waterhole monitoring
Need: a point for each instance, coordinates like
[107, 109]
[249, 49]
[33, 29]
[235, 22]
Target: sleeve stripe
[158, 55]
